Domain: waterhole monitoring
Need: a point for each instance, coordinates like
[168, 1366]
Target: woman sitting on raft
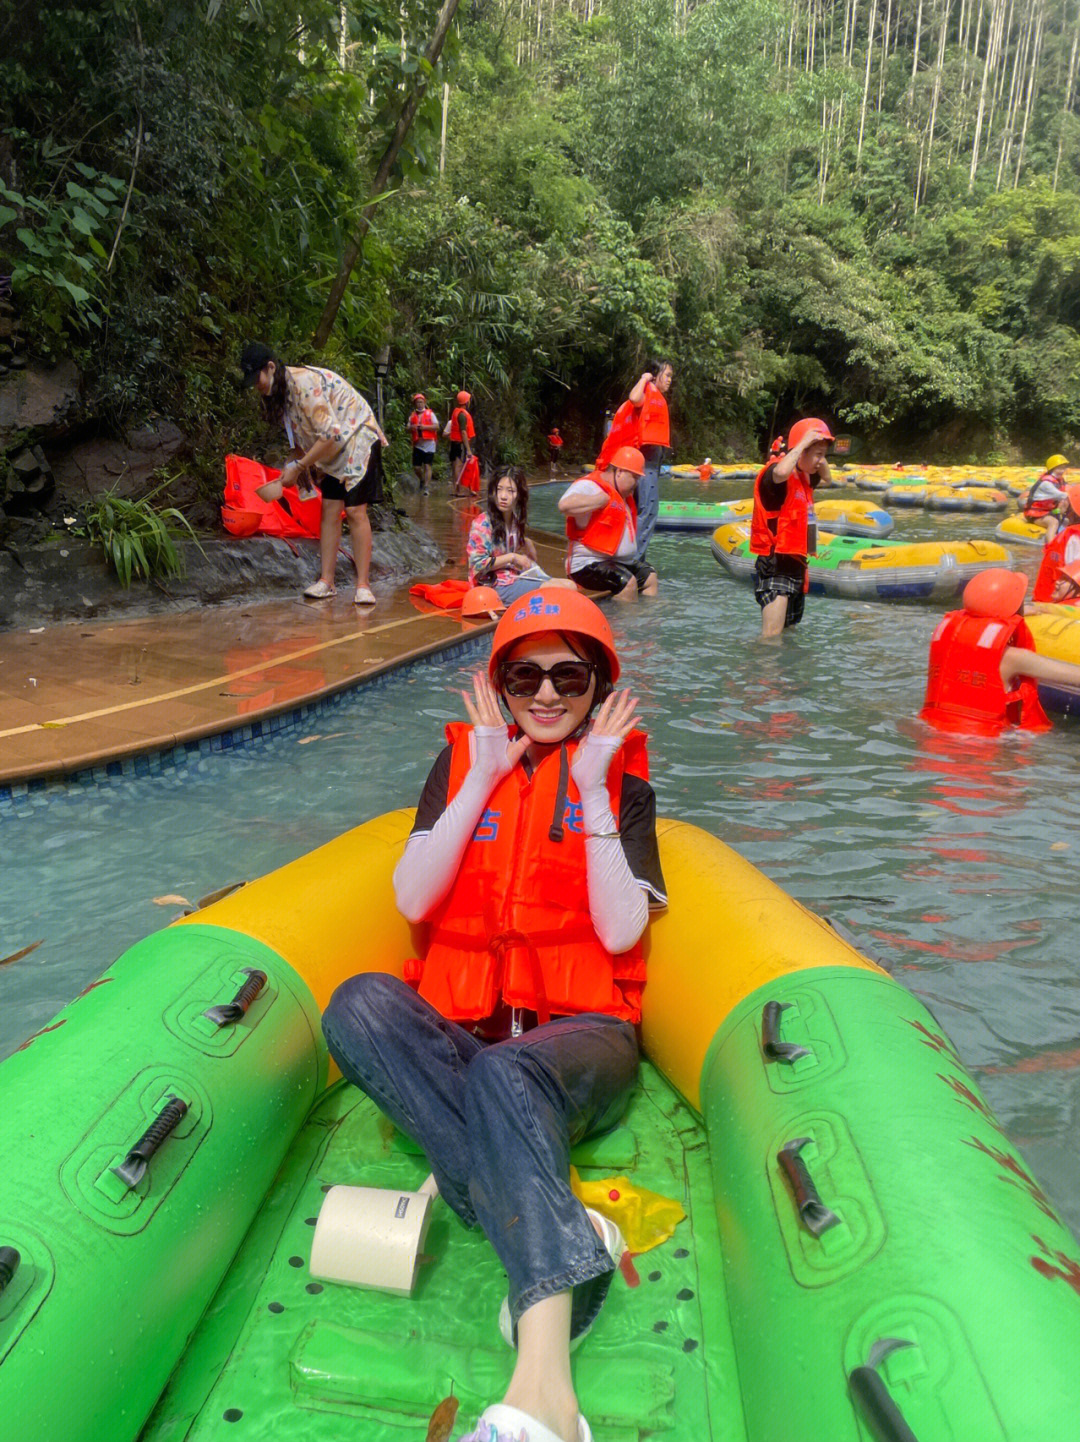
[499, 552]
[983, 662]
[533, 860]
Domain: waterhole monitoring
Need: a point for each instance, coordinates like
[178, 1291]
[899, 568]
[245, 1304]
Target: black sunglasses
[524, 678]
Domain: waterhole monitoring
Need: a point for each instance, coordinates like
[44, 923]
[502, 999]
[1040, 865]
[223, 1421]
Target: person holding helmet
[533, 865]
[462, 433]
[424, 428]
[601, 529]
[983, 663]
[783, 527]
[1062, 548]
[1044, 500]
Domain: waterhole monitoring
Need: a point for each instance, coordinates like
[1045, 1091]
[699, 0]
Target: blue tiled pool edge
[25, 798]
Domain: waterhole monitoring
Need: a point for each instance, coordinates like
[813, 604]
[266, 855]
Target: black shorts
[612, 576]
[422, 458]
[364, 492]
[776, 576]
[457, 451]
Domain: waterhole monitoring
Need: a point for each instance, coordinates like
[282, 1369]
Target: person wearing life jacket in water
[601, 529]
[462, 433]
[1044, 500]
[654, 438]
[983, 663]
[1062, 548]
[776, 450]
[1067, 590]
[555, 445]
[783, 527]
[623, 429]
[424, 429]
[533, 867]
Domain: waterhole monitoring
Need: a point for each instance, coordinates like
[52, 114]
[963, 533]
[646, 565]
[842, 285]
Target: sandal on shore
[364, 597]
[319, 591]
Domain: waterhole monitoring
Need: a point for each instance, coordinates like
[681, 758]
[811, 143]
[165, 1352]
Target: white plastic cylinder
[371, 1237]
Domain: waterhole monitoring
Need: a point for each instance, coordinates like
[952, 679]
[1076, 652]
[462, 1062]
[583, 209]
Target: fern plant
[137, 538]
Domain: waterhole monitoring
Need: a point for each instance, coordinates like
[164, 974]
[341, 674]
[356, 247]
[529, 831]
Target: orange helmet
[463, 398]
[482, 601]
[1073, 495]
[1068, 573]
[629, 458]
[997, 593]
[552, 609]
[801, 428]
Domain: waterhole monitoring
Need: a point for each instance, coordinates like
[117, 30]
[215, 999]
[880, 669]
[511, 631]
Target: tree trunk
[866, 78]
[1068, 103]
[382, 175]
[1036, 48]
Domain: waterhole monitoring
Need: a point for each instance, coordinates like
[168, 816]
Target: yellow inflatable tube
[331, 913]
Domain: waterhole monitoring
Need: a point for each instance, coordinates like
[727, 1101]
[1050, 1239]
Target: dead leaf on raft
[18, 955]
[171, 899]
[442, 1420]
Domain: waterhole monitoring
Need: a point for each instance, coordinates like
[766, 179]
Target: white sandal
[319, 591]
[612, 1239]
[500, 1423]
[364, 597]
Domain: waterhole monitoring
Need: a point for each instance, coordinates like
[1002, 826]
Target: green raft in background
[866, 1256]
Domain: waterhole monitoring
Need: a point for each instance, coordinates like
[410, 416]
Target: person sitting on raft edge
[983, 663]
[783, 528]
[514, 1036]
[601, 529]
[1046, 498]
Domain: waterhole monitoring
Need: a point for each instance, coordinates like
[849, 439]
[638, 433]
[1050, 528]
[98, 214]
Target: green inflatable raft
[864, 1256]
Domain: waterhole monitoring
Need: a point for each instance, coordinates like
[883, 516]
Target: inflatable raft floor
[282, 1356]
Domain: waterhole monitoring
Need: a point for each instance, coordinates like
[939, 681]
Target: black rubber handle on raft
[231, 1011]
[133, 1168]
[881, 1413]
[771, 1044]
[816, 1216]
[9, 1265]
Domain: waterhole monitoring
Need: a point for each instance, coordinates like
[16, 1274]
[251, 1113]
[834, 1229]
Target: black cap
[254, 358]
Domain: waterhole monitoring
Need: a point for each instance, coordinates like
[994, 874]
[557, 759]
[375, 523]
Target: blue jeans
[522, 586]
[496, 1121]
[648, 497]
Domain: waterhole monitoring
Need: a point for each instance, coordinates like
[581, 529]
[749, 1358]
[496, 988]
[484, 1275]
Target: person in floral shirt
[498, 551]
[331, 428]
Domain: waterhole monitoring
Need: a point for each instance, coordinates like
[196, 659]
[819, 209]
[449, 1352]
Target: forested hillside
[869, 208]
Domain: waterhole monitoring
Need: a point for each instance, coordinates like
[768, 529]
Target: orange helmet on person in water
[997, 593]
[482, 601]
[629, 458]
[551, 610]
[1072, 495]
[803, 427]
[1070, 573]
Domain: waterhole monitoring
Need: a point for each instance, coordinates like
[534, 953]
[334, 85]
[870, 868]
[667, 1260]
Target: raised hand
[495, 755]
[610, 727]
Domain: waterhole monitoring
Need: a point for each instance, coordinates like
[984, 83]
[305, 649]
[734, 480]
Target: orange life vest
[605, 527]
[555, 440]
[654, 425]
[964, 688]
[515, 926]
[783, 532]
[456, 423]
[1052, 560]
[424, 426]
[625, 431]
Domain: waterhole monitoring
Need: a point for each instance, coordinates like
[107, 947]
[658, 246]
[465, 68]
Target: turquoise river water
[952, 860]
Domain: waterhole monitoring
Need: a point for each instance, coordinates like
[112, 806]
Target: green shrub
[137, 538]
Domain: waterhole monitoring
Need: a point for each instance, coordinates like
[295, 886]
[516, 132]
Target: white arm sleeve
[431, 859]
[618, 905]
